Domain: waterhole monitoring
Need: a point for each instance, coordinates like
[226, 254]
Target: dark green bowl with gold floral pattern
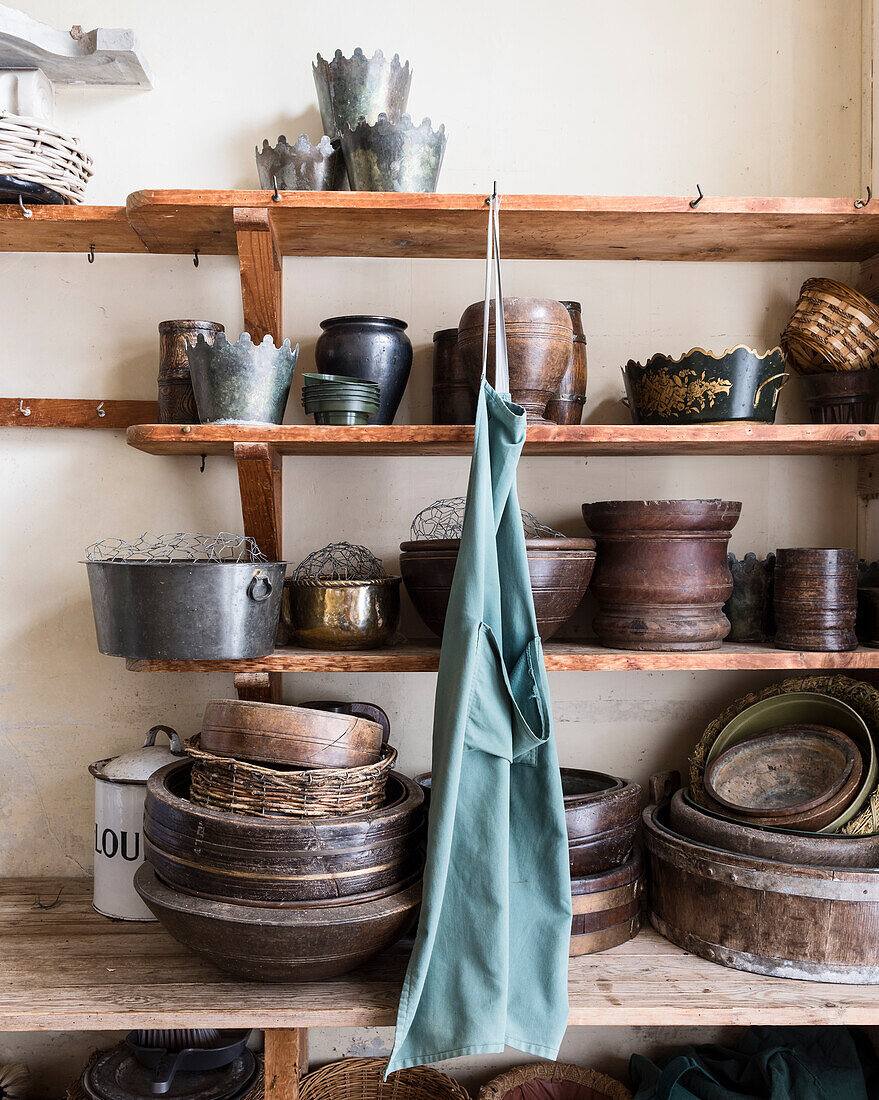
[703, 388]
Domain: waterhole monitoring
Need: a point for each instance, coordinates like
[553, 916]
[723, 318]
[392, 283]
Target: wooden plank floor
[423, 656]
[620, 440]
[67, 968]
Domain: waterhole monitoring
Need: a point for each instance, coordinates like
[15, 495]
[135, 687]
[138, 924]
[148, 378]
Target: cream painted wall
[757, 97]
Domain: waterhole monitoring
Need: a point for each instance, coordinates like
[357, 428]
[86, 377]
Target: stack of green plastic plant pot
[338, 399]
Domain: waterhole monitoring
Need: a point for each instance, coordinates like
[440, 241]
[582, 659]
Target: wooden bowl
[806, 706]
[268, 733]
[560, 570]
[788, 772]
[601, 814]
[270, 861]
[279, 945]
[719, 830]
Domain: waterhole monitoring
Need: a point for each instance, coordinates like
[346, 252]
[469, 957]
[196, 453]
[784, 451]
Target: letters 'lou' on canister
[120, 790]
[816, 599]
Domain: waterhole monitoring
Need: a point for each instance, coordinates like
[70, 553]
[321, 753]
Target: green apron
[490, 963]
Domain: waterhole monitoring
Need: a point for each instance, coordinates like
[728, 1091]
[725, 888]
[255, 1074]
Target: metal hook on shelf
[275, 195]
[203, 460]
[27, 213]
[695, 202]
[91, 255]
[861, 203]
[24, 410]
[100, 410]
[493, 194]
[195, 257]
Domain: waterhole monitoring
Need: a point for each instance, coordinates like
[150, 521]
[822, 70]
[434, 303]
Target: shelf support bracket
[286, 1054]
[260, 265]
[260, 483]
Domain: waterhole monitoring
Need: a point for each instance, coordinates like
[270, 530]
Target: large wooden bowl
[601, 814]
[279, 945]
[718, 830]
[266, 861]
[560, 570]
[269, 733]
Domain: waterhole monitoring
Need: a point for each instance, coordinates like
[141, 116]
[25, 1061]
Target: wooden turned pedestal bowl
[279, 945]
[560, 570]
[662, 575]
[540, 347]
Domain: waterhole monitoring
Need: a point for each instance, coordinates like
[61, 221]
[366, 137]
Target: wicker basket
[33, 150]
[592, 1085]
[361, 1079]
[864, 698]
[832, 328]
[239, 787]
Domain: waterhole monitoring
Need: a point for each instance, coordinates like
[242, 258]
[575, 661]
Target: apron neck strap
[493, 269]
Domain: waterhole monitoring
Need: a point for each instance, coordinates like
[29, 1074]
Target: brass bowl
[330, 614]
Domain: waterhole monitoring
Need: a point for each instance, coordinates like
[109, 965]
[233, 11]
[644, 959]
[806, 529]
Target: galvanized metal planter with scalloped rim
[703, 388]
[241, 383]
[301, 167]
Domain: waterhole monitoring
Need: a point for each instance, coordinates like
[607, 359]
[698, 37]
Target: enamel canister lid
[137, 766]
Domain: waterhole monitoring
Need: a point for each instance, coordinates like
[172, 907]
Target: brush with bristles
[181, 1038]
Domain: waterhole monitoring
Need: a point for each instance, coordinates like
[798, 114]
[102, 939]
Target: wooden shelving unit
[67, 967]
[559, 657]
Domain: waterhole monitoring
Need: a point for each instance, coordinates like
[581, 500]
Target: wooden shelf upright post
[259, 464]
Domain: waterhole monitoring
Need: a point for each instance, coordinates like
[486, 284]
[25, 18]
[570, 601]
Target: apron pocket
[505, 714]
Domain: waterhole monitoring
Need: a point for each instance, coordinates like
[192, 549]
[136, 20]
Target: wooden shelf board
[50, 412]
[622, 440]
[68, 229]
[572, 227]
[66, 968]
[560, 657]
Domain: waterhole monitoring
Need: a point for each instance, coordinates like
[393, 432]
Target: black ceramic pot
[374, 348]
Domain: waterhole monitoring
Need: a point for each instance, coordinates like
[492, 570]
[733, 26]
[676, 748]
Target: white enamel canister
[120, 790]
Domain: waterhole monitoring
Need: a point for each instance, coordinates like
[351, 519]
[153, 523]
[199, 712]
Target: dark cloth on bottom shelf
[770, 1063]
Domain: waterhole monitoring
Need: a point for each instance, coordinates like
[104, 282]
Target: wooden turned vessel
[176, 398]
[601, 814]
[761, 915]
[566, 406]
[454, 399]
[539, 349]
[559, 570]
[816, 599]
[662, 576]
[282, 862]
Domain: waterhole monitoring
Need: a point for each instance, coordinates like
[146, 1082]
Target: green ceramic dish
[318, 379]
[810, 707]
[341, 419]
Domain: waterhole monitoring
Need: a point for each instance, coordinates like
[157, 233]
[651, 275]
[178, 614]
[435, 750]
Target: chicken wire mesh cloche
[178, 546]
[444, 519]
[341, 597]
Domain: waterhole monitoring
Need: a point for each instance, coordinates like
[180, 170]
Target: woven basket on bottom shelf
[591, 1085]
[33, 150]
[256, 1092]
[833, 327]
[864, 698]
[361, 1079]
[239, 787]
